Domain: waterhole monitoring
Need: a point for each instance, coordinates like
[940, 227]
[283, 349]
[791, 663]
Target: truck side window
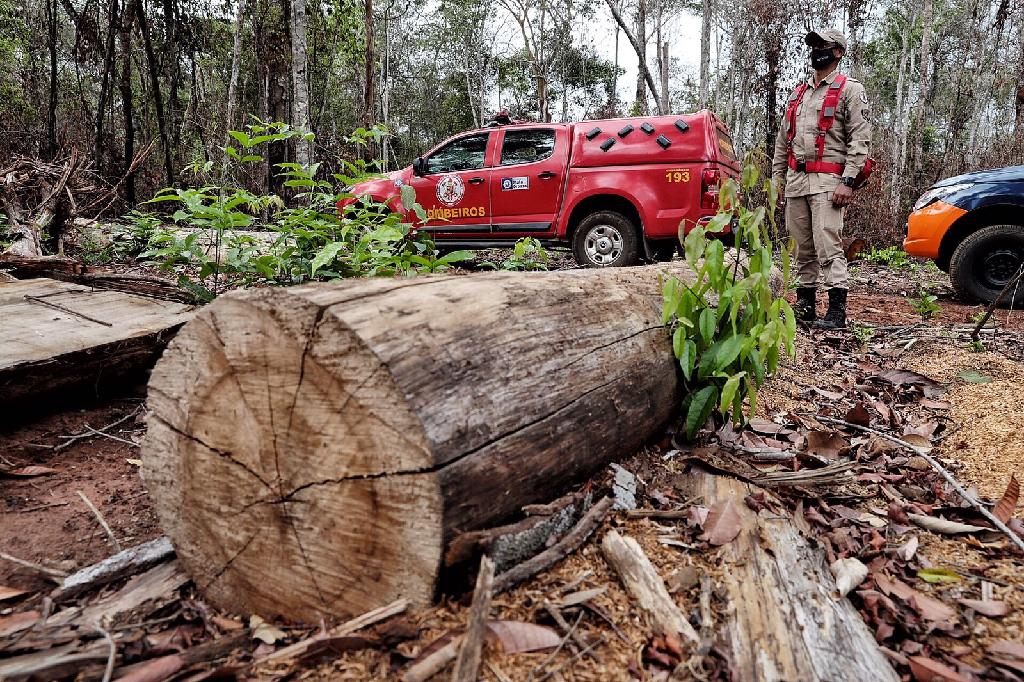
[465, 153]
[527, 146]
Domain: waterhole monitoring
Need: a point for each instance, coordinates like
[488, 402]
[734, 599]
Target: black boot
[835, 318]
[806, 304]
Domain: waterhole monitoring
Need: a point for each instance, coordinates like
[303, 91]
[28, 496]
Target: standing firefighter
[822, 149]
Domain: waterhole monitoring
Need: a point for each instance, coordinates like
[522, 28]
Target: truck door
[454, 189]
[526, 183]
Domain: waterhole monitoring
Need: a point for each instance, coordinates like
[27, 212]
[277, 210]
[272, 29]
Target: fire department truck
[616, 191]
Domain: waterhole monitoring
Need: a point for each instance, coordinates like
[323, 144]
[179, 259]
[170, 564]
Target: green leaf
[728, 351]
[687, 358]
[701, 405]
[678, 341]
[972, 376]
[325, 256]
[706, 324]
[729, 390]
[241, 137]
[938, 575]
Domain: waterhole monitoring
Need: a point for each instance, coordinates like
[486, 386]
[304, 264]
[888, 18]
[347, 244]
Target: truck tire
[606, 239]
[985, 261]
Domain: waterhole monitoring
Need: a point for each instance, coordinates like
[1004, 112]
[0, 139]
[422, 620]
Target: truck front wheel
[606, 239]
[984, 262]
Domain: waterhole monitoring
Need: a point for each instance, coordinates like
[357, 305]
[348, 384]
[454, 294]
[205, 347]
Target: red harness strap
[825, 120]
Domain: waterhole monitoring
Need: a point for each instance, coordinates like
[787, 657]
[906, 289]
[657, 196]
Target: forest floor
[971, 414]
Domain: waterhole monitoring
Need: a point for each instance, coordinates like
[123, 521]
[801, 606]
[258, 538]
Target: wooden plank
[60, 334]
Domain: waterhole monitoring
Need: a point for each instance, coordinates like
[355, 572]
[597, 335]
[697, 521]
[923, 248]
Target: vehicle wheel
[984, 262]
[606, 239]
[664, 250]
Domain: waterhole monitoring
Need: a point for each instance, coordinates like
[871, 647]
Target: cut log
[58, 336]
[785, 621]
[312, 450]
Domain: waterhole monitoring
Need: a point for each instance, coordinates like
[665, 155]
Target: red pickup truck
[615, 190]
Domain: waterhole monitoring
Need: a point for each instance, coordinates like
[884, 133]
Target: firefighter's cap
[826, 36]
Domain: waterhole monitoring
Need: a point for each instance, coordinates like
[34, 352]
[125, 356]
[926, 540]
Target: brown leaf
[929, 608]
[899, 377]
[767, 428]
[515, 637]
[16, 622]
[10, 592]
[29, 471]
[937, 525]
[826, 444]
[155, 670]
[897, 515]
[227, 624]
[992, 609]
[723, 523]
[919, 441]
[1006, 647]
[928, 670]
[581, 597]
[858, 414]
[907, 551]
[696, 516]
[1008, 504]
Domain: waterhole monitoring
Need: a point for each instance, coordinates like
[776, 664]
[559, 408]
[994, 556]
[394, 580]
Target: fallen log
[786, 621]
[313, 450]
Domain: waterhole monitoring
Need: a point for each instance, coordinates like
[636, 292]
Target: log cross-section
[311, 450]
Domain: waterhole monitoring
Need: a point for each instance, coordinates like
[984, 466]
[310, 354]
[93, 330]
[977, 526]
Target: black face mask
[822, 57]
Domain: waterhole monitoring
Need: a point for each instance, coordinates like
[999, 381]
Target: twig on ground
[64, 309]
[556, 615]
[467, 665]
[431, 664]
[91, 432]
[1016, 539]
[97, 432]
[599, 642]
[561, 645]
[41, 507]
[103, 521]
[108, 673]
[1012, 282]
[51, 573]
[572, 540]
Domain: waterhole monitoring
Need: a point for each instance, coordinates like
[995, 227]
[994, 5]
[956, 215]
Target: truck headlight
[936, 193]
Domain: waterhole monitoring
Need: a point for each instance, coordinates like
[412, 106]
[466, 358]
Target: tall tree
[51, 109]
[641, 53]
[154, 81]
[705, 53]
[300, 85]
[924, 60]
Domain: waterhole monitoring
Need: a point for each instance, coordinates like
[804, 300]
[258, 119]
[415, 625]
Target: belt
[816, 166]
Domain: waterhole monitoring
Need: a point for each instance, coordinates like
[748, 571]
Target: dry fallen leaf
[937, 525]
[155, 670]
[849, 574]
[929, 608]
[919, 441]
[723, 523]
[513, 637]
[939, 575]
[29, 471]
[582, 596]
[1007, 505]
[858, 414]
[264, 631]
[826, 444]
[227, 624]
[16, 622]
[907, 551]
[10, 592]
[990, 608]
[899, 377]
[928, 670]
[1005, 647]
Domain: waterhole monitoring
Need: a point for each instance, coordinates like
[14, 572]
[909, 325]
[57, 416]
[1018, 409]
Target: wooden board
[92, 334]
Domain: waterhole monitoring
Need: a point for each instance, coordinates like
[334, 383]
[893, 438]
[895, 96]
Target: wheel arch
[971, 222]
[604, 202]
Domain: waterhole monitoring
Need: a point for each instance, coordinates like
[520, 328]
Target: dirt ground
[46, 521]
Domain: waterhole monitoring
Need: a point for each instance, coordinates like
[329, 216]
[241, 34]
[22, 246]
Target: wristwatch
[848, 181]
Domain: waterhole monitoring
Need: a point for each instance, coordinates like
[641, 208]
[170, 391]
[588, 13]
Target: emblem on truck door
[509, 184]
[450, 190]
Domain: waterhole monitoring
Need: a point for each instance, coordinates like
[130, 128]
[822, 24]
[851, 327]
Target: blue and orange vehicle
[972, 226]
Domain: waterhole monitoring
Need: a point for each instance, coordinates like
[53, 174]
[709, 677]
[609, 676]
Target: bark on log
[786, 621]
[312, 450]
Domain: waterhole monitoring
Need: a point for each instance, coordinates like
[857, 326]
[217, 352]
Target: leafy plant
[862, 332]
[527, 254]
[228, 236]
[728, 327]
[892, 256]
[924, 304]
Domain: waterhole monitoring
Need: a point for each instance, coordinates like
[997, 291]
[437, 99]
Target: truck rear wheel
[984, 262]
[606, 239]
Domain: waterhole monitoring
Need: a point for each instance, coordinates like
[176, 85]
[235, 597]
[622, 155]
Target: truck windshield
[465, 153]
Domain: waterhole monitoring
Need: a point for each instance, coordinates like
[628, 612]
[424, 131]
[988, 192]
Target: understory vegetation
[729, 327]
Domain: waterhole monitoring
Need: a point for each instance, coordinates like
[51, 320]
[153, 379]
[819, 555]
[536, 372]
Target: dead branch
[467, 665]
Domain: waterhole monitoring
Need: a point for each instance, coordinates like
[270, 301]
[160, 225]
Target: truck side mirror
[419, 166]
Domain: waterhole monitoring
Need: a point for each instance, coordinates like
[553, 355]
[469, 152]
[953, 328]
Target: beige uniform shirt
[848, 141]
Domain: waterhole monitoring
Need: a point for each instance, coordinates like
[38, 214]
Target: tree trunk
[313, 450]
[663, 107]
[901, 118]
[108, 65]
[642, 72]
[641, 53]
[127, 103]
[300, 84]
[705, 54]
[368, 105]
[922, 96]
[51, 109]
[785, 623]
[773, 57]
[236, 60]
[158, 100]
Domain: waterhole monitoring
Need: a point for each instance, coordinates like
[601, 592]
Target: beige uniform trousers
[817, 226]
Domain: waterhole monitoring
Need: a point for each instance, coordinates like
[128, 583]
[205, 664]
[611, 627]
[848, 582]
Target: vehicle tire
[985, 261]
[606, 239]
[665, 250]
